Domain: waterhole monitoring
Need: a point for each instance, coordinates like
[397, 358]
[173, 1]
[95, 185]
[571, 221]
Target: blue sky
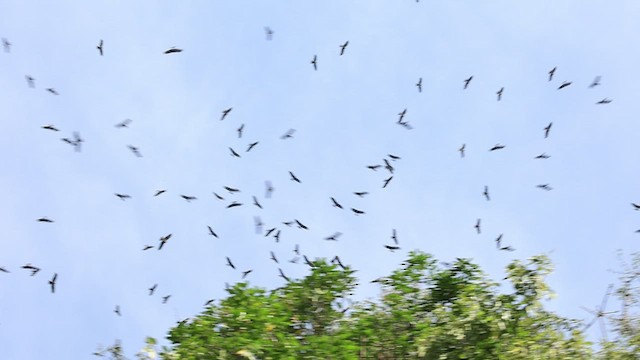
[345, 119]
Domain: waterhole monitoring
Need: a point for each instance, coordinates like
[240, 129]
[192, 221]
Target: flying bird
[343, 47]
[497, 147]
[163, 240]
[357, 212]
[301, 225]
[135, 150]
[564, 85]
[277, 236]
[334, 237]
[245, 273]
[462, 150]
[336, 204]
[401, 114]
[4, 270]
[314, 62]
[211, 232]
[125, 123]
[258, 224]
[499, 93]
[158, 192]
[52, 282]
[507, 248]
[551, 72]
[392, 247]
[117, 310]
[268, 189]
[361, 193]
[147, 247]
[152, 289]
[288, 134]
[188, 198]
[53, 91]
[498, 241]
[547, 129]
[99, 47]
[123, 197]
[268, 33]
[635, 206]
[172, 50]
[234, 153]
[225, 113]
[394, 236]
[542, 156]
[388, 166]
[251, 146]
[34, 270]
[419, 85]
[234, 204]
[294, 178]
[296, 249]
[273, 257]
[467, 81]
[6, 44]
[394, 157]
[604, 101]
[595, 82]
[165, 299]
[239, 130]
[282, 275]
[545, 187]
[386, 181]
[256, 203]
[218, 196]
[30, 81]
[269, 231]
[477, 226]
[231, 190]
[230, 264]
[486, 193]
[45, 219]
[373, 167]
[209, 302]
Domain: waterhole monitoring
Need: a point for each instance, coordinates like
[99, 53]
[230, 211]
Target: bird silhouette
[273, 257]
[360, 193]
[30, 81]
[499, 93]
[301, 225]
[595, 82]
[386, 181]
[211, 232]
[4, 270]
[52, 282]
[147, 247]
[256, 203]
[497, 147]
[486, 193]
[135, 150]
[635, 206]
[336, 260]
[218, 196]
[234, 153]
[551, 72]
[225, 113]
[547, 129]
[314, 62]
[388, 166]
[209, 302]
[53, 91]
[392, 247]
[188, 198]
[125, 123]
[343, 47]
[462, 150]
[498, 241]
[401, 115]
[158, 192]
[258, 224]
[239, 130]
[357, 212]
[467, 81]
[542, 156]
[336, 204]
[152, 289]
[604, 101]
[277, 236]
[282, 275]
[268, 189]
[394, 236]
[231, 190]
[507, 248]
[234, 204]
[419, 85]
[163, 240]
[49, 127]
[296, 249]
[269, 231]
[117, 310]
[394, 157]
[230, 264]
[99, 47]
[123, 197]
[34, 270]
[245, 273]
[7, 45]
[477, 226]
[165, 299]
[564, 85]
[172, 50]
[334, 237]
[544, 187]
[45, 219]
[288, 134]
[251, 146]
[268, 33]
[294, 178]
[373, 167]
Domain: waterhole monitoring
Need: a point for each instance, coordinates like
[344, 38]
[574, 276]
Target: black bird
[158, 192]
[545, 187]
[498, 241]
[234, 153]
[45, 219]
[401, 114]
[277, 236]
[30, 81]
[497, 147]
[394, 236]
[147, 247]
[288, 223]
[373, 167]
[125, 123]
[173, 50]
[477, 226]
[6, 44]
[507, 248]
[486, 193]
[77, 140]
[604, 101]
[307, 261]
[294, 178]
[152, 289]
[282, 275]
[542, 156]
[99, 47]
[336, 204]
[551, 72]
[635, 206]
[230, 264]
[405, 124]
[386, 181]
[388, 166]
[296, 249]
[595, 82]
[269, 231]
[268, 33]
[163, 240]
[256, 203]
[135, 150]
[4, 270]
[564, 85]
[394, 157]
[234, 204]
[123, 196]
[547, 129]
[34, 270]
[467, 81]
[357, 212]
[52, 282]
[225, 113]
[361, 193]
[314, 62]
[288, 134]
[117, 310]
[218, 196]
[335, 260]
[188, 198]
[239, 130]
[211, 232]
[209, 302]
[301, 225]
[499, 93]
[462, 150]
[392, 248]
[245, 273]
[251, 146]
[165, 299]
[343, 47]
[231, 190]
[53, 91]
[258, 224]
[268, 189]
[273, 257]
[334, 237]
[294, 260]
[419, 85]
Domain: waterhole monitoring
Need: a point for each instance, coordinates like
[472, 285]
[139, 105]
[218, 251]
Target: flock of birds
[75, 140]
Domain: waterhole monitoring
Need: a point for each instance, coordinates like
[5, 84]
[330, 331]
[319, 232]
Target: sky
[345, 116]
